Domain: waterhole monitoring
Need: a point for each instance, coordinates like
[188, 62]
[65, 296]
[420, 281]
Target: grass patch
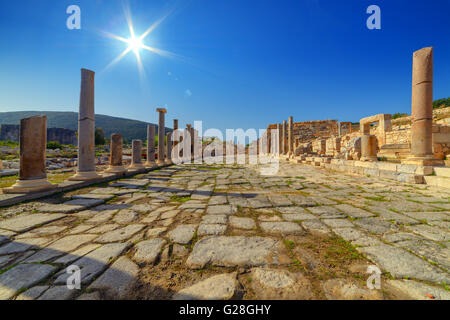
[180, 199]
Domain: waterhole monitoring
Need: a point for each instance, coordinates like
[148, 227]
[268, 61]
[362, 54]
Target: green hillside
[130, 129]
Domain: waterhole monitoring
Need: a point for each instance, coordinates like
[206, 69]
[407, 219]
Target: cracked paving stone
[26, 222]
[95, 262]
[430, 232]
[401, 263]
[21, 277]
[242, 223]
[102, 216]
[148, 251]
[375, 225]
[216, 218]
[117, 282]
[281, 227]
[220, 209]
[169, 214]
[236, 251]
[272, 284]
[183, 233]
[430, 250]
[126, 216]
[33, 293]
[218, 287]
[97, 196]
[338, 223]
[58, 293]
[298, 216]
[349, 234]
[316, 226]
[120, 234]
[155, 232]
[353, 211]
[60, 247]
[23, 245]
[104, 228]
[418, 291]
[341, 289]
[75, 255]
[211, 229]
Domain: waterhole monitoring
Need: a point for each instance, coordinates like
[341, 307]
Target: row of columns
[33, 146]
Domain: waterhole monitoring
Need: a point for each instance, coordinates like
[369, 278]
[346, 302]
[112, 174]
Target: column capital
[163, 110]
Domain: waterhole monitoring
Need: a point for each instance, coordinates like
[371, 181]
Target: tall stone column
[86, 129]
[279, 138]
[422, 110]
[169, 149]
[136, 155]
[291, 137]
[150, 163]
[33, 147]
[285, 145]
[368, 148]
[161, 135]
[115, 161]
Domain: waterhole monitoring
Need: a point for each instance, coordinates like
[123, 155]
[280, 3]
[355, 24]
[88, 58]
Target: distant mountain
[130, 129]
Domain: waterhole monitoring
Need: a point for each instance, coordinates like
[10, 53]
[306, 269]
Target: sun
[135, 44]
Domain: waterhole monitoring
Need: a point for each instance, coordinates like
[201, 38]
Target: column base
[372, 158]
[423, 161]
[116, 169]
[150, 165]
[160, 163]
[30, 186]
[135, 167]
[168, 162]
[84, 176]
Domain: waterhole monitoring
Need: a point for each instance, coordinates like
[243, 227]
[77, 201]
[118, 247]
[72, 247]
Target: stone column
[279, 138]
[136, 155]
[285, 134]
[150, 163]
[269, 139]
[161, 135]
[368, 148]
[115, 161]
[169, 149]
[282, 138]
[33, 147]
[86, 129]
[422, 110]
[291, 137]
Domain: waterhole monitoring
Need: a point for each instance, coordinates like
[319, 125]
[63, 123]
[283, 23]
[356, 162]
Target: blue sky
[239, 63]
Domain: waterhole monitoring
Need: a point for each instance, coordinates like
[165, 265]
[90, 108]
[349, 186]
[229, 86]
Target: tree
[99, 137]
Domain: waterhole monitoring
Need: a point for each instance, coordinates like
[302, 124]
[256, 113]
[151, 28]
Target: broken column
[150, 163]
[368, 148]
[291, 137]
[86, 129]
[161, 135]
[136, 155]
[168, 160]
[422, 110]
[116, 161]
[33, 147]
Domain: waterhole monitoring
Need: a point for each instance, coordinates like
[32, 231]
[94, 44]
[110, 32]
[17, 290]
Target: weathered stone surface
[95, 262]
[117, 282]
[233, 251]
[57, 293]
[75, 255]
[298, 216]
[148, 251]
[430, 232]
[281, 227]
[349, 234]
[217, 218]
[126, 216]
[353, 211]
[242, 223]
[375, 225]
[272, 284]
[211, 229]
[26, 222]
[220, 209]
[338, 223]
[183, 233]
[155, 232]
[341, 289]
[418, 291]
[120, 234]
[401, 263]
[219, 287]
[316, 226]
[22, 276]
[33, 293]
[23, 245]
[60, 247]
[169, 214]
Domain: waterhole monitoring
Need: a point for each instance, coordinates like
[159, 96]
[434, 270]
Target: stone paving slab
[26, 222]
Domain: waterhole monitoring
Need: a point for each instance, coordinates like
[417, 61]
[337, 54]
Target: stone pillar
[284, 137]
[136, 155]
[368, 148]
[279, 138]
[115, 161]
[150, 163]
[169, 149]
[291, 137]
[33, 147]
[86, 129]
[161, 135]
[269, 139]
[422, 110]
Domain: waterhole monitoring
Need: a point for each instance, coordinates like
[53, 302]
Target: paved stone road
[223, 232]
